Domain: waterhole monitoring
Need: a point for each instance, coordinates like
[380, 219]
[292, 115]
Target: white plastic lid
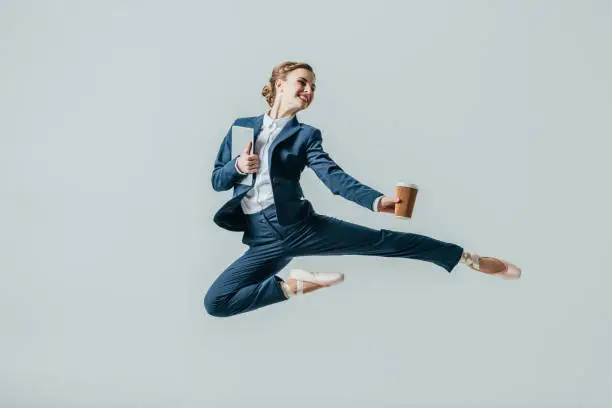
[403, 184]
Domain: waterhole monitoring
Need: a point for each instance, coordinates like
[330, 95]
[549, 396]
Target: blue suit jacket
[298, 145]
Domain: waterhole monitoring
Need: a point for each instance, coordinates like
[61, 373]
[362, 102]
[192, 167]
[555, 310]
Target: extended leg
[331, 236]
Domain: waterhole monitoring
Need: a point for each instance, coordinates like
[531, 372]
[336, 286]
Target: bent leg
[331, 236]
[248, 283]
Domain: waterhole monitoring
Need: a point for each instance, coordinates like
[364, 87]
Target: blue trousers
[250, 282]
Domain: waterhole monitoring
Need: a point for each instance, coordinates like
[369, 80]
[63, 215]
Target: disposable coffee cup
[407, 194]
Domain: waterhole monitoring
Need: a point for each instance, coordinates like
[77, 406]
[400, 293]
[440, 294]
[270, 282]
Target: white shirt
[261, 196]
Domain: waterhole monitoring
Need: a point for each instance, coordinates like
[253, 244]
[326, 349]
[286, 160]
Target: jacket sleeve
[332, 175]
[225, 174]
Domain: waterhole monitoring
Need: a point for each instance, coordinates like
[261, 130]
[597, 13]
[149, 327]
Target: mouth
[304, 98]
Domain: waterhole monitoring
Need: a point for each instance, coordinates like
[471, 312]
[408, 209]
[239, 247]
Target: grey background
[111, 113]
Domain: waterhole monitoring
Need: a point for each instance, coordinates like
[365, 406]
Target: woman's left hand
[387, 204]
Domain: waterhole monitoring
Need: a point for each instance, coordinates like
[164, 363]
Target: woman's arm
[332, 175]
[225, 173]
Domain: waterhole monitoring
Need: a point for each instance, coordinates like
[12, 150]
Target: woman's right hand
[247, 162]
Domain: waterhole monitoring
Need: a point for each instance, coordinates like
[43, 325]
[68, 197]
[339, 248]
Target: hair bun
[267, 93]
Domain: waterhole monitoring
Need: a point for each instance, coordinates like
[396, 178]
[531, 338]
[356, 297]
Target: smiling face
[296, 92]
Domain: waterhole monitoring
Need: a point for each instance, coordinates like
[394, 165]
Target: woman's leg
[248, 283]
[331, 236]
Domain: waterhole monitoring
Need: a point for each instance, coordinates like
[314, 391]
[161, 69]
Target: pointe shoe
[320, 278]
[473, 261]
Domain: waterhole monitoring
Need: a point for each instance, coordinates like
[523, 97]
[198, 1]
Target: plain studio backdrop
[112, 112]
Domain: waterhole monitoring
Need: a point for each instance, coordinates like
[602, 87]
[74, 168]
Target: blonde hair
[280, 72]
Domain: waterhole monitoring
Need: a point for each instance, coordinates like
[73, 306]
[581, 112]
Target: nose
[308, 91]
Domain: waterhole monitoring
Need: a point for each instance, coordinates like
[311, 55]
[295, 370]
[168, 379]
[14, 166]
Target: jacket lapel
[257, 123]
[288, 130]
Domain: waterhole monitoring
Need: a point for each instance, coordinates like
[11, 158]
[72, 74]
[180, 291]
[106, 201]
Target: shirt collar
[268, 121]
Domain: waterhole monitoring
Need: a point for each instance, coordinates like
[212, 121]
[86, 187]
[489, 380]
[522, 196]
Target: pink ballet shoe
[473, 261]
[323, 279]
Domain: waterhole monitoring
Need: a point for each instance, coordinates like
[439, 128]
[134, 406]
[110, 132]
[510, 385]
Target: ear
[278, 84]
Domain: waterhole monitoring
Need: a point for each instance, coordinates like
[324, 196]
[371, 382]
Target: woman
[280, 224]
